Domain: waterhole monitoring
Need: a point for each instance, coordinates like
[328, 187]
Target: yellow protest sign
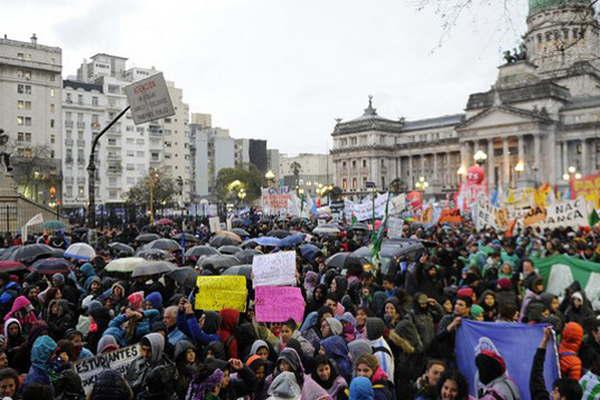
[218, 292]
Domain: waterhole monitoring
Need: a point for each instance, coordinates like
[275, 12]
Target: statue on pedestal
[4, 152]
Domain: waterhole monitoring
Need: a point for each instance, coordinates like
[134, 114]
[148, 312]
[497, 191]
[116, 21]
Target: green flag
[562, 270]
[377, 236]
[594, 218]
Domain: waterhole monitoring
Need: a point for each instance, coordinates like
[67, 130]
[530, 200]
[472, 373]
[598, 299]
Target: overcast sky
[283, 70]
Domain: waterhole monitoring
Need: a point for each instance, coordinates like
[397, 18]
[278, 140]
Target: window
[68, 116]
[20, 136]
[69, 191]
[382, 163]
[51, 92]
[52, 139]
[130, 167]
[80, 135]
[52, 108]
[140, 141]
[69, 99]
[130, 140]
[51, 123]
[140, 153]
[52, 153]
[95, 119]
[22, 74]
[354, 183]
[80, 190]
[20, 55]
[79, 99]
[343, 164]
[23, 105]
[23, 121]
[130, 153]
[79, 117]
[364, 163]
[24, 89]
[94, 101]
[112, 142]
[52, 77]
[353, 163]
[69, 155]
[69, 134]
[344, 184]
[28, 137]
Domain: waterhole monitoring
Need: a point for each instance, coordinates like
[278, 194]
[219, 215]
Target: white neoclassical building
[539, 122]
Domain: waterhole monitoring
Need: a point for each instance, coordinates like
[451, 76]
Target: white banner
[118, 360]
[35, 220]
[214, 224]
[277, 269]
[566, 213]
[395, 227]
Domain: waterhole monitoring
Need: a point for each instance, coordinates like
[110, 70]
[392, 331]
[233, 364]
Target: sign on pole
[149, 99]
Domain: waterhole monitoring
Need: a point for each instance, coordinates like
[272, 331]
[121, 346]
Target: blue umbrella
[309, 252]
[267, 241]
[292, 240]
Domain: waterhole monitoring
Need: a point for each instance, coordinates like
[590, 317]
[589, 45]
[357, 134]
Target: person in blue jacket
[189, 326]
[140, 323]
[41, 351]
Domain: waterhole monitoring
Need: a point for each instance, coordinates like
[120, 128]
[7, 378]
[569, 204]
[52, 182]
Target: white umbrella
[153, 268]
[80, 251]
[127, 264]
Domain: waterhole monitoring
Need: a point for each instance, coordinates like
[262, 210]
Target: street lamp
[480, 157]
[422, 184]
[520, 167]
[462, 170]
[269, 177]
[571, 174]
[153, 177]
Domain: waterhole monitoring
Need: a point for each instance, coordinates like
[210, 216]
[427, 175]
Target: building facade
[312, 170]
[539, 121]
[251, 151]
[31, 115]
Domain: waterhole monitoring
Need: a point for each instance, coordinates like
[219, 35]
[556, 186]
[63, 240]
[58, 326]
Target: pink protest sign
[278, 304]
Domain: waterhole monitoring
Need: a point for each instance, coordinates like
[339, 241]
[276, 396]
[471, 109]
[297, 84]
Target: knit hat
[155, 298]
[136, 299]
[110, 385]
[464, 292]
[490, 366]
[504, 284]
[476, 310]
[361, 389]
[335, 326]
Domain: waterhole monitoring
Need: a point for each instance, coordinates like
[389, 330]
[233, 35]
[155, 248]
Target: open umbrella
[153, 268]
[125, 265]
[163, 244]
[218, 262]
[121, 249]
[241, 232]
[230, 235]
[270, 241]
[246, 256]
[147, 237]
[359, 226]
[30, 252]
[185, 276]
[164, 221]
[293, 240]
[49, 266]
[187, 237]
[325, 230]
[203, 250]
[337, 260]
[218, 241]
[278, 233]
[12, 266]
[80, 251]
[54, 225]
[230, 250]
[309, 252]
[239, 223]
[153, 254]
[241, 270]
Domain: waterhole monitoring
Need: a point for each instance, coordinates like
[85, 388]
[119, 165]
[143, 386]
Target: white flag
[36, 219]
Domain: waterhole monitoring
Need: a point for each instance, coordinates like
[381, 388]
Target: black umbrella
[278, 233]
[241, 232]
[203, 250]
[163, 244]
[359, 226]
[218, 262]
[31, 252]
[218, 241]
[153, 254]
[147, 237]
[241, 270]
[337, 260]
[246, 256]
[50, 266]
[121, 249]
[238, 223]
[12, 266]
[185, 276]
[230, 250]
[153, 268]
[187, 237]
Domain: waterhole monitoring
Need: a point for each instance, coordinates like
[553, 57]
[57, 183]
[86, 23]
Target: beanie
[476, 310]
[464, 292]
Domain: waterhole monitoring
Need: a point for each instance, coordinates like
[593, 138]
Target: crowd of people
[365, 334]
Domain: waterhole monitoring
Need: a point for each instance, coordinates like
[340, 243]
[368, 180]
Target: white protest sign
[118, 360]
[395, 228]
[149, 99]
[277, 269]
[214, 224]
[567, 213]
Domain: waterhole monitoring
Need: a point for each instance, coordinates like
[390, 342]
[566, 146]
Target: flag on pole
[594, 218]
[35, 220]
[377, 236]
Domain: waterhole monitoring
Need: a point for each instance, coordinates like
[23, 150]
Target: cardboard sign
[587, 187]
[214, 224]
[218, 292]
[450, 216]
[395, 227]
[568, 213]
[534, 216]
[149, 99]
[118, 360]
[278, 304]
[277, 269]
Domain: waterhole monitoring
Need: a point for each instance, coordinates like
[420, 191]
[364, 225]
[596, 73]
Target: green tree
[250, 178]
[163, 186]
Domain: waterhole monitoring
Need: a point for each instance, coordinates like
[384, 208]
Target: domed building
[539, 122]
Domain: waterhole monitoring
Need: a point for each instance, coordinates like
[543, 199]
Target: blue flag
[516, 343]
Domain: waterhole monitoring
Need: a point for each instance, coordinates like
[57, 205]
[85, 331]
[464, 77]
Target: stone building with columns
[539, 122]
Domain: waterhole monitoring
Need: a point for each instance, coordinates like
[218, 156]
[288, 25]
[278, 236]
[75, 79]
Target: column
[491, 161]
[422, 170]
[506, 162]
[410, 182]
[565, 157]
[536, 152]
[463, 162]
[435, 169]
[521, 148]
[584, 157]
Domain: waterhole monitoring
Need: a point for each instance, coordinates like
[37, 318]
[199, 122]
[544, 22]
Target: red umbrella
[11, 266]
[164, 221]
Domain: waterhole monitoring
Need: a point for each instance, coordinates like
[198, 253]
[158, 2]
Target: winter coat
[501, 388]
[188, 325]
[226, 333]
[42, 350]
[337, 350]
[139, 370]
[59, 323]
[22, 306]
[570, 363]
[381, 349]
[142, 326]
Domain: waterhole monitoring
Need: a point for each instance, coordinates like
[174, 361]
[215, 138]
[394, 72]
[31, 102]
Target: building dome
[541, 5]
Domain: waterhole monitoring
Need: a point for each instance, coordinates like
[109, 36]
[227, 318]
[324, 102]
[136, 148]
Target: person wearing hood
[238, 379]
[100, 318]
[361, 389]
[191, 327]
[426, 313]
[326, 375]
[330, 326]
[368, 367]
[487, 301]
[60, 318]
[65, 381]
[590, 349]
[570, 363]
[76, 339]
[229, 321]
[336, 349]
[284, 386]
[88, 273]
[579, 309]
[110, 385]
[493, 383]
[13, 336]
[106, 344]
[151, 356]
[381, 349]
[9, 290]
[23, 311]
[94, 288]
[348, 326]
[552, 303]
[41, 352]
[154, 301]
[313, 391]
[187, 366]
[288, 360]
[533, 292]
[206, 384]
[289, 330]
[357, 348]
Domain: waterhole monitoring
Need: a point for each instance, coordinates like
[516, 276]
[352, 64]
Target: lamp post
[422, 184]
[571, 174]
[480, 157]
[301, 195]
[270, 178]
[152, 181]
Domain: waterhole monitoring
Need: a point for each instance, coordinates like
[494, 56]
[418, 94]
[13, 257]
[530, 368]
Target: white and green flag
[562, 270]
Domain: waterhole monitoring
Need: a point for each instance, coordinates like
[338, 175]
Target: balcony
[69, 160]
[68, 124]
[113, 157]
[80, 124]
[68, 142]
[81, 161]
[80, 143]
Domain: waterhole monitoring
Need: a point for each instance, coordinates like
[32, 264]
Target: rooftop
[82, 85]
[437, 122]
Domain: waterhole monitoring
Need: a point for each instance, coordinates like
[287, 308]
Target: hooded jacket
[284, 386]
[361, 389]
[336, 349]
[570, 363]
[381, 349]
[60, 322]
[23, 305]
[42, 350]
[229, 321]
[139, 370]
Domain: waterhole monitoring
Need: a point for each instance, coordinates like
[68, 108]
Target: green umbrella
[54, 225]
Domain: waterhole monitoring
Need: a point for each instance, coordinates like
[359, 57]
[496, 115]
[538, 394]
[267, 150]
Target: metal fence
[15, 211]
